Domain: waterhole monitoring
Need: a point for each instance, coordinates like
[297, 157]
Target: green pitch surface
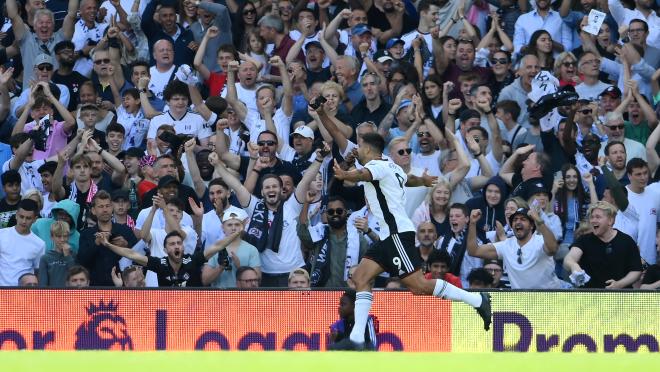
[313, 361]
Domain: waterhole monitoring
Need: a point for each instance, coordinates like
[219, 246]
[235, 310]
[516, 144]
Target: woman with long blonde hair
[435, 208]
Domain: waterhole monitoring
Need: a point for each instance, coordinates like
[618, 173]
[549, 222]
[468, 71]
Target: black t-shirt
[361, 113]
[321, 76]
[98, 259]
[189, 275]
[604, 261]
[185, 192]
[7, 211]
[73, 81]
[521, 188]
[379, 20]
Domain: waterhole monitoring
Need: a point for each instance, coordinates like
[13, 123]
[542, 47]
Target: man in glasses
[43, 74]
[396, 253]
[43, 39]
[334, 247]
[605, 258]
[528, 255]
[616, 131]
[589, 67]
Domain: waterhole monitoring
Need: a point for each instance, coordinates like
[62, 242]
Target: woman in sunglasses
[565, 69]
[243, 22]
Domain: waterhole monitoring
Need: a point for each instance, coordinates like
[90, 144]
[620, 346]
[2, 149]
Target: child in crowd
[55, 264]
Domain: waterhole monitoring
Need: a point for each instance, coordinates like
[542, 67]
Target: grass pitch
[17, 361]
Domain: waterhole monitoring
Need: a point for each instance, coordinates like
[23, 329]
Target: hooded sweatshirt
[490, 214]
[41, 227]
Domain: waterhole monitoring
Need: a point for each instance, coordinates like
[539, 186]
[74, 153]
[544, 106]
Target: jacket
[41, 227]
[490, 214]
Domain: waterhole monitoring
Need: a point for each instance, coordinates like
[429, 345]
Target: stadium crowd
[192, 143]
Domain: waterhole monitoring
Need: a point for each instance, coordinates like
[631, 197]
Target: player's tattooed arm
[424, 180]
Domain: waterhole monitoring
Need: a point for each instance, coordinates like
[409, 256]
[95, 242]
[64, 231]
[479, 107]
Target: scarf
[260, 234]
[321, 272]
[93, 189]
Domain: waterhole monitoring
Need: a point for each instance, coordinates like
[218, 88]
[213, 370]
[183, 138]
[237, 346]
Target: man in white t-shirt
[23, 161]
[20, 248]
[245, 90]
[163, 72]
[211, 224]
[527, 255]
[273, 221]
[645, 199]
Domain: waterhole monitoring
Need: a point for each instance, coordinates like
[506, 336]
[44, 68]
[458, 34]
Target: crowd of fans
[192, 143]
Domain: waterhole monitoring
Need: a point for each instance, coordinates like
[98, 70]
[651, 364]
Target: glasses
[636, 30]
[103, 61]
[616, 127]
[519, 253]
[266, 143]
[404, 151]
[500, 61]
[585, 111]
[423, 134]
[569, 64]
[249, 11]
[45, 67]
[335, 212]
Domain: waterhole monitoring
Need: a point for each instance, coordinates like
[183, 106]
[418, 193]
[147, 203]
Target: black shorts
[397, 254]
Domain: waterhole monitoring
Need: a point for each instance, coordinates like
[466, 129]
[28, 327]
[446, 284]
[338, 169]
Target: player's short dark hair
[229, 48]
[268, 176]
[635, 163]
[133, 92]
[75, 270]
[177, 203]
[29, 205]
[138, 63]
[374, 140]
[462, 207]
[480, 275]
[116, 127]
[337, 198]
[612, 143]
[101, 195]
[170, 235]
[48, 167]
[174, 88]
[438, 255]
[425, 5]
[268, 132]
[510, 107]
[480, 129]
[643, 22]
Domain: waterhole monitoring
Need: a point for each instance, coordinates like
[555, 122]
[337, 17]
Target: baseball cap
[611, 91]
[538, 188]
[304, 131]
[166, 180]
[43, 59]
[234, 213]
[520, 212]
[360, 29]
[134, 152]
[404, 103]
[383, 56]
[392, 42]
[313, 43]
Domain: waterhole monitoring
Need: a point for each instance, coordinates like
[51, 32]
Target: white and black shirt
[190, 124]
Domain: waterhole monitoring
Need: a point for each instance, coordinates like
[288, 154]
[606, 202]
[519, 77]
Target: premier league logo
[104, 329]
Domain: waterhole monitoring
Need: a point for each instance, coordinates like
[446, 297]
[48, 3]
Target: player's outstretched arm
[486, 251]
[124, 252]
[355, 175]
[423, 180]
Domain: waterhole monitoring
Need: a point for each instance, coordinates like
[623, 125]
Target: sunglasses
[103, 61]
[249, 11]
[616, 127]
[585, 111]
[45, 67]
[501, 61]
[569, 64]
[266, 143]
[335, 212]
[404, 151]
[423, 134]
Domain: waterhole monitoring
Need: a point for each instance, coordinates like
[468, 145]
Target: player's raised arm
[355, 175]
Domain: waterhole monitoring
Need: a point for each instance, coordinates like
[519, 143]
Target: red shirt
[282, 50]
[216, 83]
[449, 278]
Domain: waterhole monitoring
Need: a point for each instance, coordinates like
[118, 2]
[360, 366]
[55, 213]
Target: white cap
[234, 213]
[304, 131]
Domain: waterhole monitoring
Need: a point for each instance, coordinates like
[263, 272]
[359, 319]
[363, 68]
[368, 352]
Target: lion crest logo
[104, 329]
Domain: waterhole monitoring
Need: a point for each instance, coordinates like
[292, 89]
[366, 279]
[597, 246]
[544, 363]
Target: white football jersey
[386, 197]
